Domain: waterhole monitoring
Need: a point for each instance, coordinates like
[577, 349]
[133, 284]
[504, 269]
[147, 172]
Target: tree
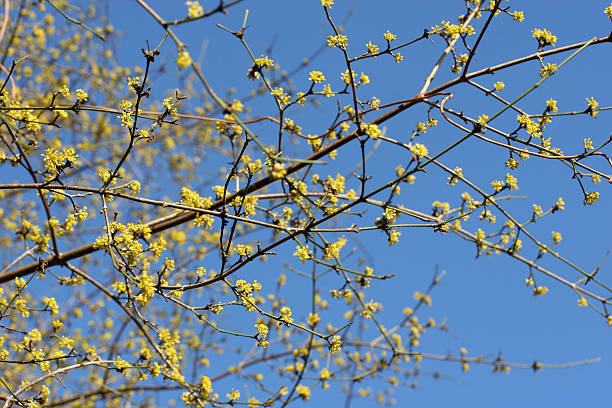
[164, 240]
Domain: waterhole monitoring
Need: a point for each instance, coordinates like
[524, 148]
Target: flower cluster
[316, 76]
[285, 315]
[420, 150]
[451, 31]
[56, 161]
[339, 41]
[194, 9]
[302, 252]
[183, 59]
[544, 37]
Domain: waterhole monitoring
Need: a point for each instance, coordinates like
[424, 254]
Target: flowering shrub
[142, 228]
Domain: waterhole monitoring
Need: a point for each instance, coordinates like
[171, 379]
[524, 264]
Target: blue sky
[487, 306]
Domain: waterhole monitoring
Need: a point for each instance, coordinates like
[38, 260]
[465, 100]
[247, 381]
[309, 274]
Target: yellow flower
[480, 234]
[518, 16]
[289, 124]
[302, 252]
[336, 345]
[33, 336]
[592, 107]
[183, 59]
[544, 37]
[332, 251]
[596, 178]
[264, 62]
[328, 92]
[302, 390]
[233, 395]
[243, 250]
[66, 342]
[372, 130]
[145, 353]
[512, 163]
[533, 129]
[51, 304]
[389, 36]
[540, 290]
[262, 329]
[537, 210]
[20, 283]
[452, 30]
[394, 236]
[134, 186]
[372, 48]
[316, 76]
[134, 83]
[482, 120]
[64, 91]
[324, 374]
[420, 150]
[455, 177]
[278, 171]
[375, 102]
[280, 95]
[285, 315]
[339, 41]
[81, 95]
[425, 298]
[547, 70]
[194, 9]
[313, 319]
[591, 198]
[499, 86]
[511, 181]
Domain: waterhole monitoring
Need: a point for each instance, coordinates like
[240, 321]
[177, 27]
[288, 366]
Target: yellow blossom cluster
[194, 9]
[544, 37]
